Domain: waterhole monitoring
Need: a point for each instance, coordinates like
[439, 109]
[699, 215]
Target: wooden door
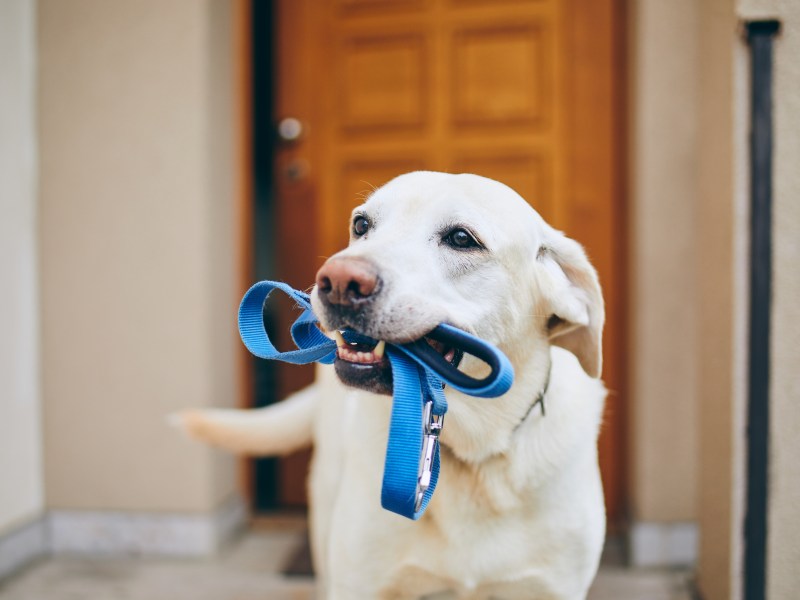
[523, 91]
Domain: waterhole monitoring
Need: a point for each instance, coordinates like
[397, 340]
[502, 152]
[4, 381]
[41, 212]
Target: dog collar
[411, 466]
[538, 400]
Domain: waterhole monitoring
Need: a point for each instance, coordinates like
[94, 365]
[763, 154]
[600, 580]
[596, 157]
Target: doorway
[528, 92]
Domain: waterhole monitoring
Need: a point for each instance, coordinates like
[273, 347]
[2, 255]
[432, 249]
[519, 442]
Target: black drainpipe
[760, 36]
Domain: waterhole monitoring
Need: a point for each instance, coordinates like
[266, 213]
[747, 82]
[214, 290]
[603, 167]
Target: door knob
[290, 129]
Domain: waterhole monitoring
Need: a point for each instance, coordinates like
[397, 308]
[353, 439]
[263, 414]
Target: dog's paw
[191, 422]
[228, 429]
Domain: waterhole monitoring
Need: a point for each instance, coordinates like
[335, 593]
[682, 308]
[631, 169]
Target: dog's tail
[277, 429]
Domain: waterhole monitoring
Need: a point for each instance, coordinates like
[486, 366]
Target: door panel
[381, 83]
[526, 92]
[499, 76]
[444, 85]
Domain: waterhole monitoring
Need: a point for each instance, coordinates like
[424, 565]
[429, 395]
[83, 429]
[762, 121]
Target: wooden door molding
[595, 89]
[243, 194]
[296, 211]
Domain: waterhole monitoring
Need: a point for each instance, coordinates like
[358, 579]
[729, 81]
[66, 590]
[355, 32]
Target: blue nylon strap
[412, 387]
[313, 345]
[405, 437]
[415, 381]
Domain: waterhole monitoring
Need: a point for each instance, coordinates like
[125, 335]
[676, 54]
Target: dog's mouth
[361, 362]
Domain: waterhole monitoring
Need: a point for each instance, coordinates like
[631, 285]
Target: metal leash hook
[431, 428]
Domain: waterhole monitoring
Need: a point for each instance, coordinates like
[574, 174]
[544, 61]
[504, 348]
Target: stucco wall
[663, 249]
[137, 241]
[690, 89]
[21, 493]
[722, 282]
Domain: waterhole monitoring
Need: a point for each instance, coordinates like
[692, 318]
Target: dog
[518, 511]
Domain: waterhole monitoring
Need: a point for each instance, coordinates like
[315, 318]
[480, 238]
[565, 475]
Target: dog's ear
[573, 299]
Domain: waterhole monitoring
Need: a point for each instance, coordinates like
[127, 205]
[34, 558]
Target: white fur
[518, 512]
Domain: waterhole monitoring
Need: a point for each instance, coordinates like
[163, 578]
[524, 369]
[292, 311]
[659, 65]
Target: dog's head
[428, 248]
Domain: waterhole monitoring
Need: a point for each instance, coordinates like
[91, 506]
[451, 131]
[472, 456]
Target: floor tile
[249, 569]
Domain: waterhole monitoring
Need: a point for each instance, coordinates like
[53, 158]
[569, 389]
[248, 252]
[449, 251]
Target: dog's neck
[480, 428]
[539, 400]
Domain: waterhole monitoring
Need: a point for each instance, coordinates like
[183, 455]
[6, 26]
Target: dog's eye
[460, 239]
[360, 225]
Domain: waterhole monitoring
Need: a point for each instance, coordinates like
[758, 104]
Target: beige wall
[21, 493]
[137, 241]
[721, 280]
[663, 249]
[723, 215]
[690, 122]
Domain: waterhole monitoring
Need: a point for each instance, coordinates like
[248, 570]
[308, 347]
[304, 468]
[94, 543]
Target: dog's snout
[347, 281]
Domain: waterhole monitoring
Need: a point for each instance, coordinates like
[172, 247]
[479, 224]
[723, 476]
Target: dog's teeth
[337, 335]
[379, 349]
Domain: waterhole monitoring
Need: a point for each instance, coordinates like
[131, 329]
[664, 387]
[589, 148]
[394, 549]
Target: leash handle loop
[495, 384]
[313, 345]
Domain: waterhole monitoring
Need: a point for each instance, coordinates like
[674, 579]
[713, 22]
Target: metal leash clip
[432, 427]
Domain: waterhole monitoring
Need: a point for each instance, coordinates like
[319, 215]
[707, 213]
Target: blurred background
[156, 158]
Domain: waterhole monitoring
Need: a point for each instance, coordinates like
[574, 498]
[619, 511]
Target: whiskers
[365, 194]
[537, 316]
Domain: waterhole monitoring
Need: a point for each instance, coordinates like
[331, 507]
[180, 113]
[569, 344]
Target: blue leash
[411, 468]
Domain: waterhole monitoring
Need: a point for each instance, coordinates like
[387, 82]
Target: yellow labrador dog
[518, 512]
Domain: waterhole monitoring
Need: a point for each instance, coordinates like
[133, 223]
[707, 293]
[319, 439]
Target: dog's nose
[347, 281]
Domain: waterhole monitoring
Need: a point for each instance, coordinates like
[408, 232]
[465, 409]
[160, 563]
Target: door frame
[242, 25]
[596, 61]
[594, 55]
